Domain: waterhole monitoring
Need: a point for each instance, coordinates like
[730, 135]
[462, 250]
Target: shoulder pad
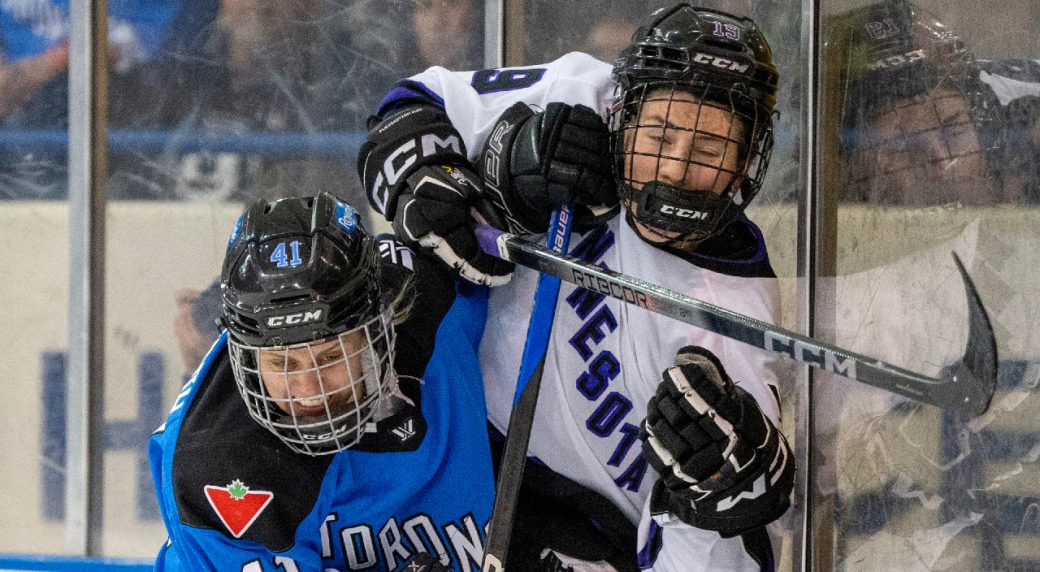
[233, 476]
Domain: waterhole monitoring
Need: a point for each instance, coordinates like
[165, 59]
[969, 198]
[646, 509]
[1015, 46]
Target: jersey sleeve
[666, 544]
[473, 100]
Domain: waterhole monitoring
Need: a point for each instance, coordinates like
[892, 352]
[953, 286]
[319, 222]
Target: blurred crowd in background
[194, 86]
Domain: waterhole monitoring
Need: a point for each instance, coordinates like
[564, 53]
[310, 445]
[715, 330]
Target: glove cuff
[751, 503]
[401, 143]
[496, 161]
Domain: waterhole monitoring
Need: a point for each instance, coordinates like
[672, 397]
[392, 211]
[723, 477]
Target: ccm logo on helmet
[683, 213]
[896, 61]
[296, 319]
[723, 63]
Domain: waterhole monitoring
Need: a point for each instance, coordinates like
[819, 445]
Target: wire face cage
[319, 396]
[689, 158]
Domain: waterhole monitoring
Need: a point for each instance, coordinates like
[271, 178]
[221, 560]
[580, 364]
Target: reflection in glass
[935, 151]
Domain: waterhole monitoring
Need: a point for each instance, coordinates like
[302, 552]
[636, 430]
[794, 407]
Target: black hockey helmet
[310, 336]
[722, 54]
[298, 270]
[893, 52]
[717, 58]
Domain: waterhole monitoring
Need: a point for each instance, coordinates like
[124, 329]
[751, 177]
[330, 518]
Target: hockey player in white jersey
[660, 194]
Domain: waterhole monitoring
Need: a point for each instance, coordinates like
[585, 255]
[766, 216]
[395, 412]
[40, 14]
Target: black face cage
[658, 197]
[353, 391]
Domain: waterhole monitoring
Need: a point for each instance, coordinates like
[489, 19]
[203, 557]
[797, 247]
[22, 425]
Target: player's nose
[305, 383]
[673, 171]
[936, 152]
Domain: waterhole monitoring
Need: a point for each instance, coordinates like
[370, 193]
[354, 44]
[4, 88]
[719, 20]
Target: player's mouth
[333, 403]
[309, 405]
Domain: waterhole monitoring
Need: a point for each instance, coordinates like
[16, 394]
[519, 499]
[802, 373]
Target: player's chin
[665, 238]
[971, 191]
[951, 190]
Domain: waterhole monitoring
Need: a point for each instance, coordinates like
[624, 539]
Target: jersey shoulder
[573, 78]
[1023, 70]
[1012, 79]
[232, 476]
[739, 250]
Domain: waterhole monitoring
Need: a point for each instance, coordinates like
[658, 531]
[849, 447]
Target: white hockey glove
[533, 163]
[724, 466]
[414, 169]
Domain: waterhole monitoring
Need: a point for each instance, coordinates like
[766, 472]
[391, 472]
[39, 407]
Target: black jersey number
[494, 79]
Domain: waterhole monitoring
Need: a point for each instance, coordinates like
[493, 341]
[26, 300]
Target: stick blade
[971, 383]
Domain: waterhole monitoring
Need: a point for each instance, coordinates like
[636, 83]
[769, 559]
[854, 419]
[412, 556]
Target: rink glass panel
[34, 230]
[206, 116]
[903, 486]
[212, 104]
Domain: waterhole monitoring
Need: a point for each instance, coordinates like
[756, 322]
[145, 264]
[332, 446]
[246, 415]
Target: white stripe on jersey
[573, 78]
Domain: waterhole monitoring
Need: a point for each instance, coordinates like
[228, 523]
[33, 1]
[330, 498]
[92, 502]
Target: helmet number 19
[282, 258]
[728, 31]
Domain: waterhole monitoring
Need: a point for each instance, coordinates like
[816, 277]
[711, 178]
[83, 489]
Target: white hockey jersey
[605, 358]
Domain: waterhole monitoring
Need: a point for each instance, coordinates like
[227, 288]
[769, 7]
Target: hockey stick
[966, 387]
[511, 467]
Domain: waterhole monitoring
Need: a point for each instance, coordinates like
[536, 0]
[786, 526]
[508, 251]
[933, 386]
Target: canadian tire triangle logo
[237, 506]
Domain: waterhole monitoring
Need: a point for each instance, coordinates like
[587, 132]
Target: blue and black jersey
[235, 498]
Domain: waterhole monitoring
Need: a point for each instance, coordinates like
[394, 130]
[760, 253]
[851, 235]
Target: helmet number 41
[282, 258]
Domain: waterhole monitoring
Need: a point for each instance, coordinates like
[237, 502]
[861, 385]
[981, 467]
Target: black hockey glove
[414, 169]
[437, 210]
[724, 466]
[533, 163]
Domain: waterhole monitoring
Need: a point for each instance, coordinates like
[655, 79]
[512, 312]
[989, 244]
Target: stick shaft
[511, 468]
[968, 388]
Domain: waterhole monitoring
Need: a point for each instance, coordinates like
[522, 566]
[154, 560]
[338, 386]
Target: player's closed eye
[707, 147]
[274, 363]
[658, 135]
[330, 358]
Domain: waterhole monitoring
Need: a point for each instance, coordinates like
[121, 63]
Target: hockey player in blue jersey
[338, 423]
[661, 153]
